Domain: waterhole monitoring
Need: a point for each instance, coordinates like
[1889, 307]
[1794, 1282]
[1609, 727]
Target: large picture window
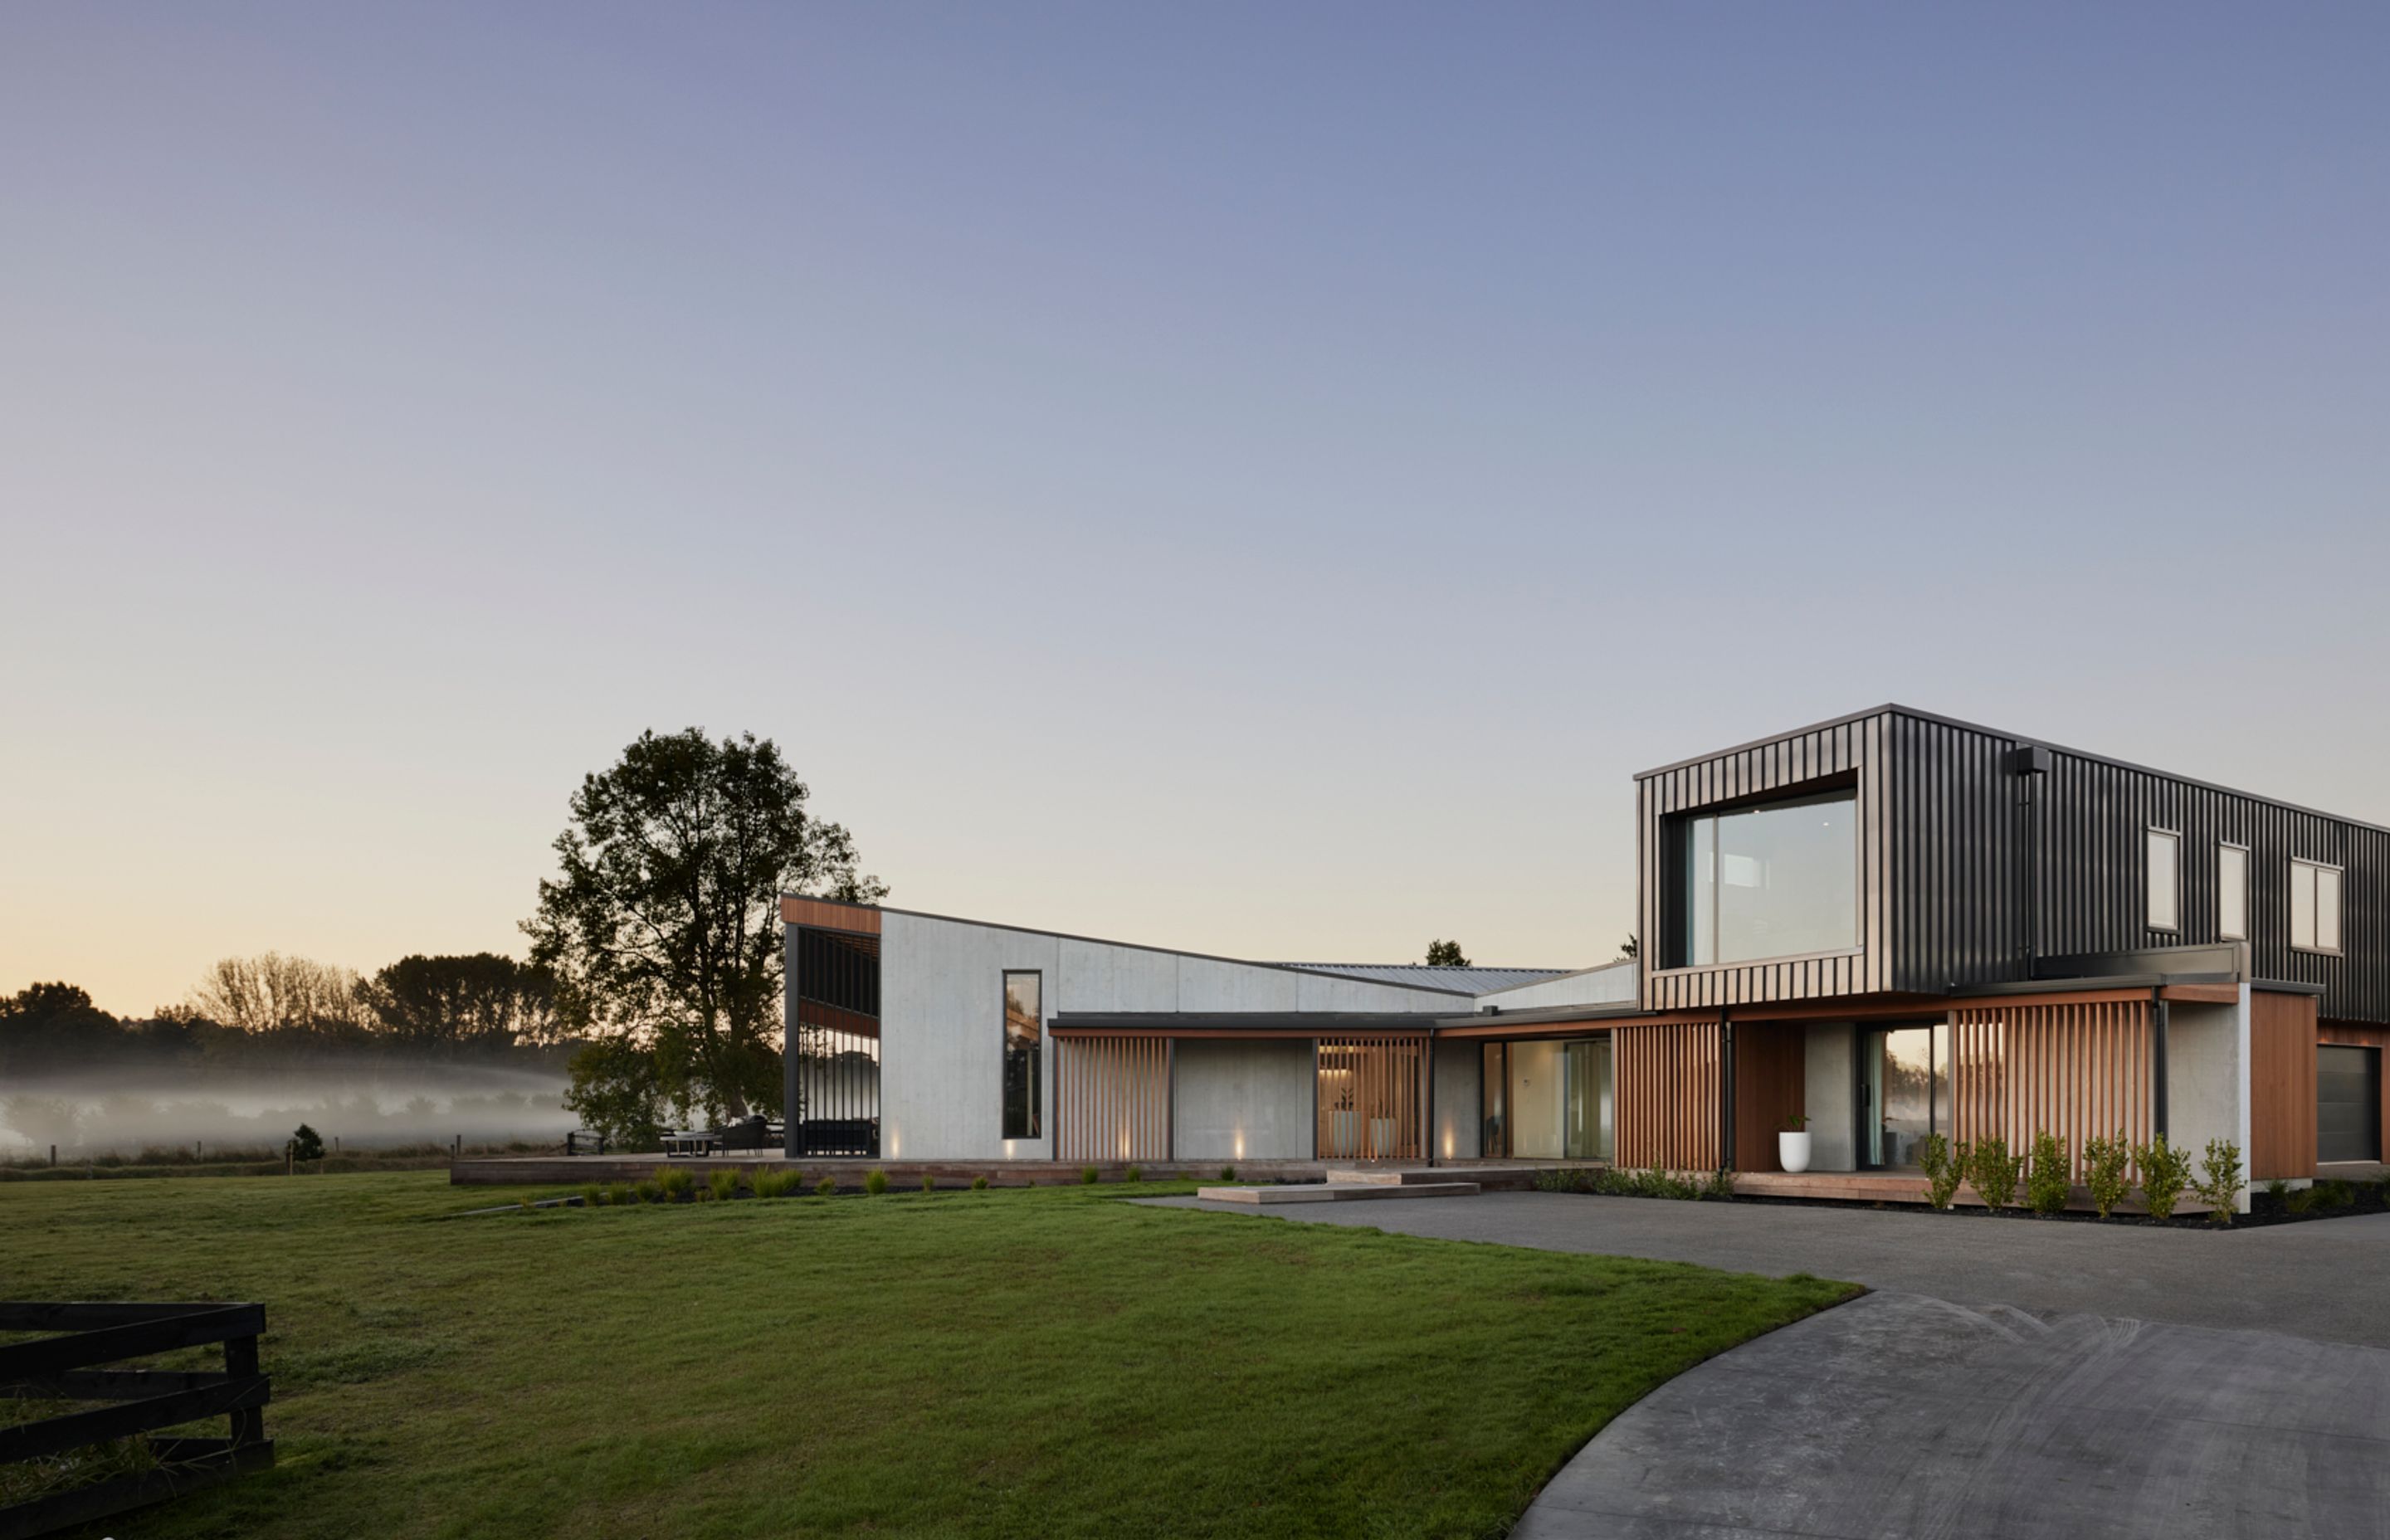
[1776, 880]
[1025, 1038]
[2314, 906]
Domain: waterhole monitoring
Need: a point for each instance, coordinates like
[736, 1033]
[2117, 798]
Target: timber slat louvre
[1115, 1098]
[1380, 1084]
[1667, 1096]
[2076, 1072]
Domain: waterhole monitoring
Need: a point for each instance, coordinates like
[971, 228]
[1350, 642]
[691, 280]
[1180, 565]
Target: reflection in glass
[1493, 1126]
[1588, 1120]
[1779, 881]
[1024, 1032]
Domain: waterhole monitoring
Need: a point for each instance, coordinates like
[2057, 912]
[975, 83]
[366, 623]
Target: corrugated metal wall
[1959, 877]
[1784, 764]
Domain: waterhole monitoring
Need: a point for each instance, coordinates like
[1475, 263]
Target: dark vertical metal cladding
[1982, 852]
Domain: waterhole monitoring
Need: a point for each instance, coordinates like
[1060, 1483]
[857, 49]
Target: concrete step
[1337, 1192]
[1486, 1176]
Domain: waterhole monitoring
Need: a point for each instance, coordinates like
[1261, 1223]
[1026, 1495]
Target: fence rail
[68, 1367]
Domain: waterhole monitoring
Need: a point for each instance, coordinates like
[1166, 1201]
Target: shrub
[2300, 1200]
[1133, 1174]
[2165, 1171]
[929, 1183]
[2051, 1176]
[1639, 1184]
[651, 1192]
[774, 1184]
[592, 1195]
[2104, 1159]
[826, 1187]
[621, 1194]
[674, 1180]
[979, 1184]
[306, 1144]
[1089, 1174]
[1994, 1171]
[1228, 1173]
[2219, 1181]
[725, 1185]
[2335, 1194]
[1944, 1169]
[875, 1182]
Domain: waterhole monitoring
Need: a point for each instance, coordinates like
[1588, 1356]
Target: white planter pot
[1792, 1150]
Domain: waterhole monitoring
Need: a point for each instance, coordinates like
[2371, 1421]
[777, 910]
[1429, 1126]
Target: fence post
[54, 1155]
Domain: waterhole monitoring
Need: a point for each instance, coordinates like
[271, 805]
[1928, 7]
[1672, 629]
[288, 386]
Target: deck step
[1337, 1192]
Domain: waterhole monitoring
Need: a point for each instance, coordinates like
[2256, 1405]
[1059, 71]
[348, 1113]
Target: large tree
[662, 928]
[462, 1004]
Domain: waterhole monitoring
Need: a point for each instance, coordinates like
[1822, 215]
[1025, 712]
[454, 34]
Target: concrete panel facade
[1611, 985]
[941, 1022]
[1831, 1078]
[1459, 1110]
[1243, 1101]
[2207, 1077]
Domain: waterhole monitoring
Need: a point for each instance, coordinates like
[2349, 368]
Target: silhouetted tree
[1446, 954]
[664, 925]
[462, 1004]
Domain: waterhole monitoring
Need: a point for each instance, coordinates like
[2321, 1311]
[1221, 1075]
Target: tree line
[278, 1009]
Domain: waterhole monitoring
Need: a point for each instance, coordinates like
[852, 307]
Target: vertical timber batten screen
[837, 1038]
[1113, 1098]
[1373, 1098]
[2075, 1072]
[1668, 1091]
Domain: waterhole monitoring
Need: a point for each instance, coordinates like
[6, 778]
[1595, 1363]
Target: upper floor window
[2314, 906]
[2165, 879]
[2231, 892]
[1776, 880]
[1025, 1038]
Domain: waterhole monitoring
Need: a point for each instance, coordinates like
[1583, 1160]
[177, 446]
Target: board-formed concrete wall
[942, 1020]
[1243, 1100]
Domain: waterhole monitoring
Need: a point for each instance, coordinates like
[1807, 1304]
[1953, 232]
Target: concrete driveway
[2009, 1380]
[2328, 1280]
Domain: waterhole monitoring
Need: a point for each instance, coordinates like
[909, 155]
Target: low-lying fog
[401, 1104]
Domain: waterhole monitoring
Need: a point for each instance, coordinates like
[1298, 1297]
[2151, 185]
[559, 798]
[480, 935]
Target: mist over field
[122, 1111]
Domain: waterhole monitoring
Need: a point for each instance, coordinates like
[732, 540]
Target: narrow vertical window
[1024, 1036]
[2231, 892]
[2314, 906]
[2165, 865]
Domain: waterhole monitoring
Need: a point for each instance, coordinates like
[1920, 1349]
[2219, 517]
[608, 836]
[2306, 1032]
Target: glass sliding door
[1587, 1134]
[1493, 1081]
[1904, 1094]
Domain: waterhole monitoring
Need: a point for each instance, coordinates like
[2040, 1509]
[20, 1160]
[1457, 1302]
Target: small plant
[774, 1184]
[622, 1195]
[1089, 1175]
[675, 1182]
[725, 1185]
[2300, 1200]
[1797, 1123]
[2219, 1180]
[2104, 1160]
[826, 1187]
[592, 1195]
[2050, 1178]
[1994, 1171]
[1133, 1174]
[1228, 1173]
[651, 1192]
[979, 1184]
[526, 1205]
[2335, 1194]
[2165, 1172]
[306, 1144]
[2276, 1188]
[1944, 1170]
[875, 1182]
[929, 1183]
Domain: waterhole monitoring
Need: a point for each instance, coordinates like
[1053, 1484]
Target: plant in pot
[1793, 1144]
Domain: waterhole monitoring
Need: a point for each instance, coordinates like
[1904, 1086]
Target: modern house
[1893, 924]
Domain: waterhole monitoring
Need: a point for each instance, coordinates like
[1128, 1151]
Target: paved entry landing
[1348, 1183]
[1899, 1416]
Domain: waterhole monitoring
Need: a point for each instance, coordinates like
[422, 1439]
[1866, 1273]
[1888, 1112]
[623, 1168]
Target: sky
[1258, 479]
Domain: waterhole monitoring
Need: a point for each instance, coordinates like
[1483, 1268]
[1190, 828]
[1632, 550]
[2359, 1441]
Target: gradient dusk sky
[1259, 479]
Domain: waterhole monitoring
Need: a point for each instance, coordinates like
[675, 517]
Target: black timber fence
[70, 1367]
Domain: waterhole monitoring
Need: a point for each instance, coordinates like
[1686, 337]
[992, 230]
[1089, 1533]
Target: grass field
[1041, 1362]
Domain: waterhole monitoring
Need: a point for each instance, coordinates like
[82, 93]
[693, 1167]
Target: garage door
[2348, 1103]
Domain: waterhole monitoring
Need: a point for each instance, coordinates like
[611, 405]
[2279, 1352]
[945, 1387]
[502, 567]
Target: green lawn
[1041, 1362]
